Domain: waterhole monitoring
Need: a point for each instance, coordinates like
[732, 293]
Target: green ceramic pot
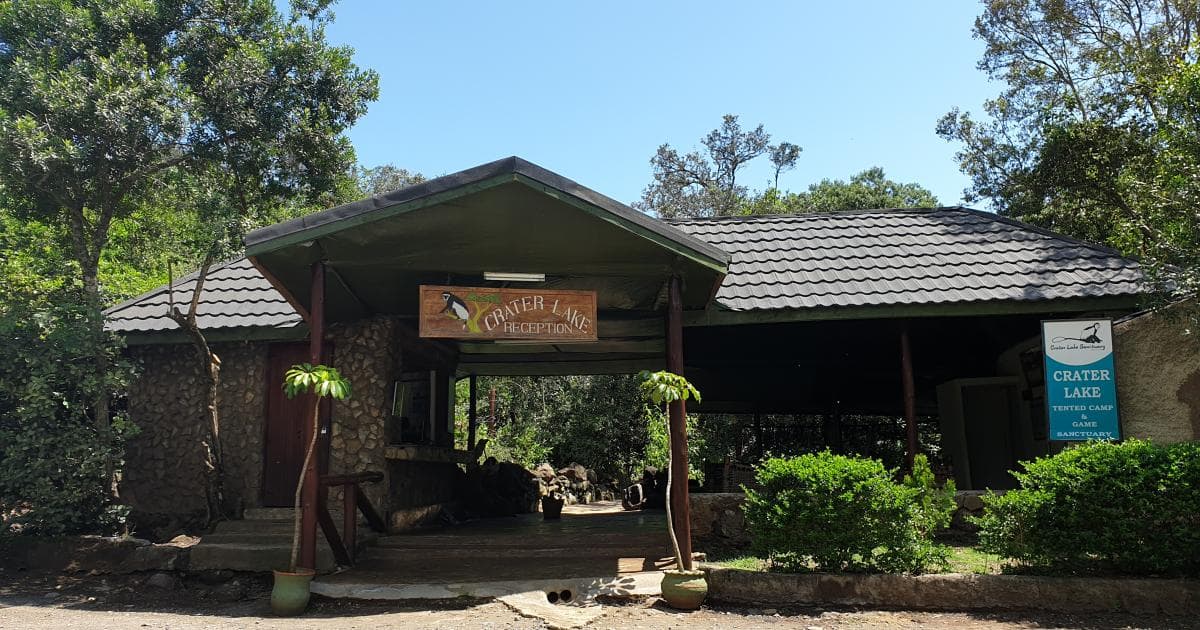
[290, 595]
[684, 590]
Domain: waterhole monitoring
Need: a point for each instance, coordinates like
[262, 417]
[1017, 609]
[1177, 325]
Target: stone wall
[367, 353]
[163, 480]
[1158, 378]
[717, 520]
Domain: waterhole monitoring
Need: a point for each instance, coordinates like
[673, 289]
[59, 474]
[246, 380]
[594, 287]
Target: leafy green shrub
[833, 513]
[53, 460]
[934, 505]
[1100, 507]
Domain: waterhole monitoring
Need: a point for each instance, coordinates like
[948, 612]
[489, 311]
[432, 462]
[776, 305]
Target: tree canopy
[1093, 132]
[868, 190]
[102, 105]
[706, 184]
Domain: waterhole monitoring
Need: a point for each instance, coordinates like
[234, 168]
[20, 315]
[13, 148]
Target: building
[863, 312]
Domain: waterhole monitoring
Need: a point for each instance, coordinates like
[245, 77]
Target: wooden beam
[910, 397]
[279, 286]
[677, 412]
[647, 346]
[310, 491]
[714, 316]
[559, 365]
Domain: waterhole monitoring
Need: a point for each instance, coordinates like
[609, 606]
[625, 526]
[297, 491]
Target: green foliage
[829, 512]
[658, 448]
[53, 460]
[867, 190]
[520, 443]
[934, 505]
[222, 110]
[705, 185]
[321, 380]
[596, 421]
[664, 387]
[1132, 507]
[384, 178]
[1090, 135]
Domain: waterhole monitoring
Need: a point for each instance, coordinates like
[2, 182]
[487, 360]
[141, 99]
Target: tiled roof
[235, 295]
[875, 258]
[904, 257]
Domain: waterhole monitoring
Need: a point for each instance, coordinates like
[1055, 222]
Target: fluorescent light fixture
[508, 276]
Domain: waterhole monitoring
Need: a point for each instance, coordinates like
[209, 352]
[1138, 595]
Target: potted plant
[290, 594]
[552, 505]
[682, 588]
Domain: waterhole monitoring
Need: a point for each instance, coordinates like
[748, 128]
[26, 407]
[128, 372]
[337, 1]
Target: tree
[867, 190]
[322, 382]
[384, 178]
[705, 185]
[1085, 138]
[783, 157]
[101, 103]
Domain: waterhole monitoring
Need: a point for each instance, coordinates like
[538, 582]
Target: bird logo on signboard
[456, 308]
[1090, 334]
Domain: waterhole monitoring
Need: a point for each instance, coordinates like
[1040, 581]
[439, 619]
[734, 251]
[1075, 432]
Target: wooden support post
[472, 416]
[350, 518]
[677, 412]
[910, 398]
[311, 492]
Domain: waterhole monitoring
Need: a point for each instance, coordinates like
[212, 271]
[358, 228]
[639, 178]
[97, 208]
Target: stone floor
[596, 548]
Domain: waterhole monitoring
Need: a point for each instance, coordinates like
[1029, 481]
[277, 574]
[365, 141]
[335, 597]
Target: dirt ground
[240, 601]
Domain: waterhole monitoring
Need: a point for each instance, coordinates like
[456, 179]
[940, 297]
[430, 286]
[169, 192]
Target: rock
[212, 578]
[545, 472]
[52, 595]
[165, 581]
[231, 591]
[973, 502]
[183, 540]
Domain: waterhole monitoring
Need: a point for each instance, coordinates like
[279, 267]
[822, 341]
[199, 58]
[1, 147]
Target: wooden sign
[482, 313]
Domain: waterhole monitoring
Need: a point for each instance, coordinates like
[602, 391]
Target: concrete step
[261, 545]
[407, 557]
[231, 556]
[389, 586]
[523, 541]
[268, 514]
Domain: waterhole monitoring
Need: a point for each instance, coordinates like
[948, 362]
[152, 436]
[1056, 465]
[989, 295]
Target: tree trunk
[101, 403]
[210, 368]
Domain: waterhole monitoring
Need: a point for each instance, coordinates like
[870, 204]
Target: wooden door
[284, 441]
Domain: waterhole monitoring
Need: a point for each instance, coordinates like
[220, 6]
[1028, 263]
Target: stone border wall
[954, 592]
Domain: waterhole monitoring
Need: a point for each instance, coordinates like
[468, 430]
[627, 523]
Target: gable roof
[508, 215]
[235, 296]
[824, 264]
[881, 258]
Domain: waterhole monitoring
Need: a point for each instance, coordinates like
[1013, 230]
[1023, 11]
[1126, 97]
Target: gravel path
[57, 603]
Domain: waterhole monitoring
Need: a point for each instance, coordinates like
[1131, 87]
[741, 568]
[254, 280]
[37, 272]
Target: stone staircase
[491, 557]
[261, 541]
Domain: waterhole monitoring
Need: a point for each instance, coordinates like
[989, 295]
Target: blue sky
[590, 89]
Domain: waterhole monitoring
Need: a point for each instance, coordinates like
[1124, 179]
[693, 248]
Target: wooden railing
[345, 545]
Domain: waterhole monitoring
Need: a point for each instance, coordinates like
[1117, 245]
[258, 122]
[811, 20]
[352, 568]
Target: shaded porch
[598, 545]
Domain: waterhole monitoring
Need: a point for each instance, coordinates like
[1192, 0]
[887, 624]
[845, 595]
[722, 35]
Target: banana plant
[323, 382]
[667, 387]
